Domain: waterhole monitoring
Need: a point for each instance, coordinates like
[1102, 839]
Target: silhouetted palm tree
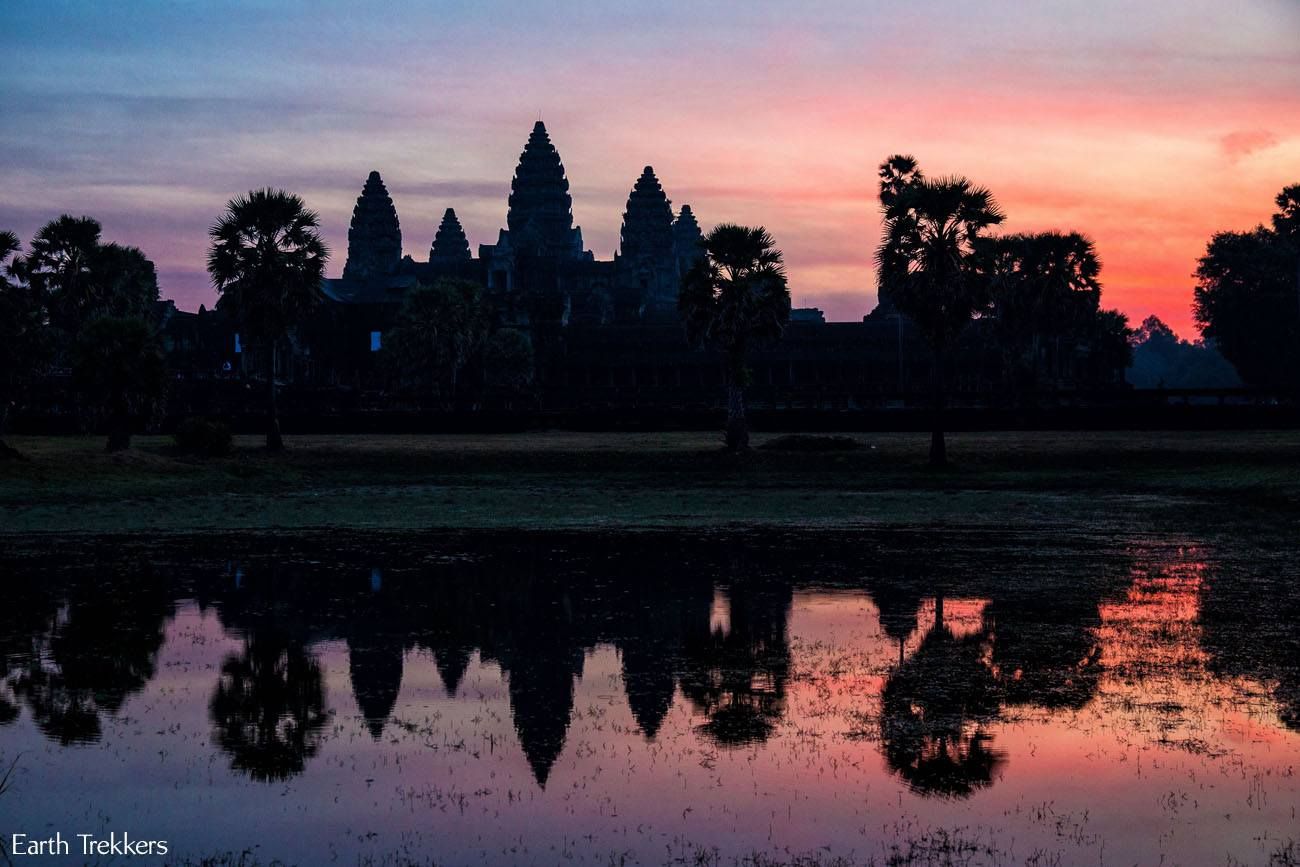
[927, 262]
[267, 260]
[81, 279]
[734, 298]
[737, 678]
[268, 709]
[59, 266]
[9, 246]
[1045, 288]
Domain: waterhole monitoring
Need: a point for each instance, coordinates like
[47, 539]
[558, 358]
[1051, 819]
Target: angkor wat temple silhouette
[538, 270]
[605, 333]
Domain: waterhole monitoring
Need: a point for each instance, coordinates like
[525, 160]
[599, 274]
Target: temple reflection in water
[961, 648]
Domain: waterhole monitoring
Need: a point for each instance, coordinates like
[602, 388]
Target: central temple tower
[540, 216]
[375, 236]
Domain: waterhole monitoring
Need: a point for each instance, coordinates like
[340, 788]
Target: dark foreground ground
[1097, 480]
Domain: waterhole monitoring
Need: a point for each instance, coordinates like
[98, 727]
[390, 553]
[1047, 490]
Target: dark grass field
[557, 480]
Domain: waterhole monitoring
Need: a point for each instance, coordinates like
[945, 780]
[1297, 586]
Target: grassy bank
[69, 485]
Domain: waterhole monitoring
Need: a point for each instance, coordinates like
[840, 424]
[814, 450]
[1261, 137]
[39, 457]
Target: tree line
[937, 265]
[941, 267]
[73, 301]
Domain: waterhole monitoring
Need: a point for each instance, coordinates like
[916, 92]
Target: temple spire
[648, 221]
[449, 245]
[687, 240]
[540, 218]
[647, 265]
[375, 236]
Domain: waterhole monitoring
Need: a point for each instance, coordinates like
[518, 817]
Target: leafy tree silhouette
[24, 339]
[438, 329]
[508, 361]
[81, 279]
[102, 650]
[1286, 223]
[1247, 296]
[118, 363]
[1162, 360]
[1249, 631]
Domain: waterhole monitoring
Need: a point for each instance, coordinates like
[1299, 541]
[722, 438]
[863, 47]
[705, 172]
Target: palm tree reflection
[935, 709]
[268, 709]
[737, 678]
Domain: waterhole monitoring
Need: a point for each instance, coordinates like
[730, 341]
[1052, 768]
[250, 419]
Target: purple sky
[1148, 126]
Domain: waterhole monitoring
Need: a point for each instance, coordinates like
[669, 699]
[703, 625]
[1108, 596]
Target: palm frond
[267, 259]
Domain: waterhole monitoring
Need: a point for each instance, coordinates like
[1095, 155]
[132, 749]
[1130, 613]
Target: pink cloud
[1242, 143]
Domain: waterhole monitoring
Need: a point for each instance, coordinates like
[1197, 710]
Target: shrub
[204, 437]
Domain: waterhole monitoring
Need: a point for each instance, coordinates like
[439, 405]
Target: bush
[204, 437]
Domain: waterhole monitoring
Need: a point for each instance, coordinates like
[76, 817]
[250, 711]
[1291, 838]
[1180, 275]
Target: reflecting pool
[922, 696]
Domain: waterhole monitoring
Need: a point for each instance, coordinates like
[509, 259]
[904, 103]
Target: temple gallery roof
[388, 291]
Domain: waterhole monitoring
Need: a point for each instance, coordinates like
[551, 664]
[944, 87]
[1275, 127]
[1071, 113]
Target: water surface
[494, 698]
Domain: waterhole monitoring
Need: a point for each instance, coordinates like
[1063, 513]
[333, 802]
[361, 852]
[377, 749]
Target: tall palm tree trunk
[737, 425]
[737, 433]
[274, 442]
[938, 444]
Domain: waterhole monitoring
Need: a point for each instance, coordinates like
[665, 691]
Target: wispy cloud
[1242, 143]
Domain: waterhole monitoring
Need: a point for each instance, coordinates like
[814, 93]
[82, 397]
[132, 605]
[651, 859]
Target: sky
[1146, 125]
